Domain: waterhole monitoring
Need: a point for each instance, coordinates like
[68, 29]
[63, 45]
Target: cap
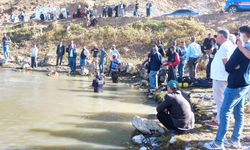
[173, 85]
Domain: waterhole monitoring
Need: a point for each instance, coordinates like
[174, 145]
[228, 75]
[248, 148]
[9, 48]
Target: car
[234, 6]
[183, 13]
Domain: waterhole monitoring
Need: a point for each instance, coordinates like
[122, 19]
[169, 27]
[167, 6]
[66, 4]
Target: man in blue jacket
[155, 64]
[6, 43]
[238, 68]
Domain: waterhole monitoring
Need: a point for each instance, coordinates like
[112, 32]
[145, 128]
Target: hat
[173, 84]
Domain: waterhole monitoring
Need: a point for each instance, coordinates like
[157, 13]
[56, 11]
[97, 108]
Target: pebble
[138, 139]
[143, 148]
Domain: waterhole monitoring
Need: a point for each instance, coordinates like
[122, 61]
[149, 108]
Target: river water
[40, 112]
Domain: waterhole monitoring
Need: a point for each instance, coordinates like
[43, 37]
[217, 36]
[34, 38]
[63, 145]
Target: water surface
[40, 112]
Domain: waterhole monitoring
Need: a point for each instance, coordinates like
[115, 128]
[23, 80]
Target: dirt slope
[159, 6]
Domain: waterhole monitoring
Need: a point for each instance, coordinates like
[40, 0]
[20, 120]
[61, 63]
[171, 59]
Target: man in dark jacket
[175, 112]
[207, 42]
[155, 63]
[238, 68]
[110, 11]
[60, 51]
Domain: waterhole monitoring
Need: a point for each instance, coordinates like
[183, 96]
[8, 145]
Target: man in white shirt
[34, 56]
[218, 71]
[113, 52]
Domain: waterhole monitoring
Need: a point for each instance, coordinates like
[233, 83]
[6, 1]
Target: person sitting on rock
[175, 112]
[115, 69]
[98, 82]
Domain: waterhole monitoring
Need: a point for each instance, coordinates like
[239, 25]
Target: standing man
[60, 53]
[211, 54]
[72, 52]
[6, 48]
[136, 10]
[95, 53]
[34, 55]
[193, 56]
[148, 8]
[155, 64]
[218, 71]
[238, 67]
[83, 57]
[115, 64]
[103, 59]
[121, 9]
[207, 42]
[113, 52]
[173, 61]
[182, 51]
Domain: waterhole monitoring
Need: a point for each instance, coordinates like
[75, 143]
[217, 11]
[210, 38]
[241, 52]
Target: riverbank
[203, 106]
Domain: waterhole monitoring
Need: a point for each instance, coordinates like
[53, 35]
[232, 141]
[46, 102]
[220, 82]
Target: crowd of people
[89, 13]
[228, 68]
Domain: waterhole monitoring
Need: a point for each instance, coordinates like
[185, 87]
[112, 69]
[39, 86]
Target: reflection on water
[38, 112]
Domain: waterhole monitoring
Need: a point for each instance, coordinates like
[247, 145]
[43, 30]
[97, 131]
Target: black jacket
[238, 78]
[62, 52]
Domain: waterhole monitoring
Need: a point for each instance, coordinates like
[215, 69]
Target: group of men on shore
[229, 69]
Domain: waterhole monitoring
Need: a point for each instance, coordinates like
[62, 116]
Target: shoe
[213, 146]
[231, 144]
[212, 124]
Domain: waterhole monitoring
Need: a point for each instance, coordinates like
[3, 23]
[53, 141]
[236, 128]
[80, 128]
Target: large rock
[127, 68]
[146, 126]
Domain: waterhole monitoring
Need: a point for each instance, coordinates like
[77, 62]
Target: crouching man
[175, 111]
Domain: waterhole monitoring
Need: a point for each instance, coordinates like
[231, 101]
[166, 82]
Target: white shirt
[34, 52]
[114, 52]
[218, 71]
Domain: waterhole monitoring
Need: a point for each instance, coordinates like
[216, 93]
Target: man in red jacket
[172, 63]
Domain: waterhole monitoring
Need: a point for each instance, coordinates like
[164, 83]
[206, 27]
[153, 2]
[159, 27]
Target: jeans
[172, 74]
[6, 52]
[153, 79]
[59, 60]
[83, 63]
[181, 69]
[192, 65]
[33, 62]
[234, 101]
[72, 64]
[102, 66]
[136, 12]
[148, 12]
